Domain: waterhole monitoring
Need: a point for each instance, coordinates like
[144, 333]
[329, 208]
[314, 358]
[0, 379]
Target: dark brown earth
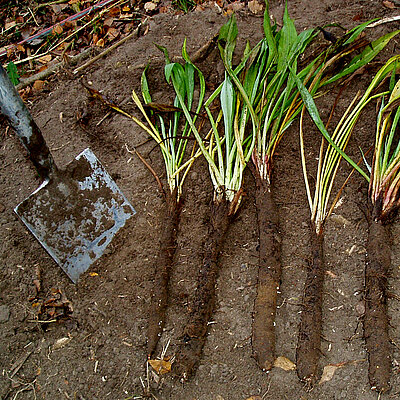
[99, 352]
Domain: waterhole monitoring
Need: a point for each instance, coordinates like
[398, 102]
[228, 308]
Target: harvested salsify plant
[165, 125]
[383, 206]
[375, 323]
[276, 103]
[227, 152]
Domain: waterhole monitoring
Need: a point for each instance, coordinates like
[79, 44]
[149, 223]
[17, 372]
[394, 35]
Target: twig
[111, 48]
[149, 167]
[38, 321]
[51, 3]
[53, 69]
[19, 363]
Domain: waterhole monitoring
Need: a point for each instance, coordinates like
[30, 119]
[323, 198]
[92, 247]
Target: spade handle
[12, 106]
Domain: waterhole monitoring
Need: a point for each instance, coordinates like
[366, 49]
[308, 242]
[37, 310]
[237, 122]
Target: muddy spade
[77, 210]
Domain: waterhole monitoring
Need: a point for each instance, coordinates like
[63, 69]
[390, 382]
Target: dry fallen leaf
[284, 363]
[160, 366]
[150, 6]
[38, 85]
[235, 6]
[45, 59]
[112, 33]
[100, 43]
[58, 29]
[329, 371]
[331, 274]
[9, 25]
[255, 7]
[388, 4]
[61, 343]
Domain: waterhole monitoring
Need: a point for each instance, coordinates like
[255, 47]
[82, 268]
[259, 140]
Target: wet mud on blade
[75, 213]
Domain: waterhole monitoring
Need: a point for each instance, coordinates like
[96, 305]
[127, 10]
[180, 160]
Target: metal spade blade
[76, 211]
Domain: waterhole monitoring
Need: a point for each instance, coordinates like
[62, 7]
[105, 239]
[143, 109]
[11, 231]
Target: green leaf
[364, 58]
[287, 39]
[145, 87]
[314, 114]
[165, 51]
[227, 37]
[268, 32]
[13, 73]
[354, 33]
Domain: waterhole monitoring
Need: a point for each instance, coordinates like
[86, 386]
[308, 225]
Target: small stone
[4, 314]
[360, 308]
[194, 175]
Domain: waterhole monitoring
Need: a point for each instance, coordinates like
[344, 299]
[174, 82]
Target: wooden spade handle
[12, 106]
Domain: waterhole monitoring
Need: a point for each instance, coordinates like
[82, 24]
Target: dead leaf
[10, 24]
[38, 85]
[329, 371]
[284, 363]
[388, 4]
[100, 43]
[57, 8]
[235, 6]
[95, 38]
[331, 274]
[113, 33]
[114, 12]
[60, 343]
[93, 274]
[26, 32]
[150, 6]
[108, 21]
[160, 366]
[58, 29]
[255, 7]
[45, 59]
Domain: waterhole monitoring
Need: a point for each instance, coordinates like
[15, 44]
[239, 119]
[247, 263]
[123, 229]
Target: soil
[99, 350]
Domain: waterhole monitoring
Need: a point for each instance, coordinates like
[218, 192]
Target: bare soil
[99, 350]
